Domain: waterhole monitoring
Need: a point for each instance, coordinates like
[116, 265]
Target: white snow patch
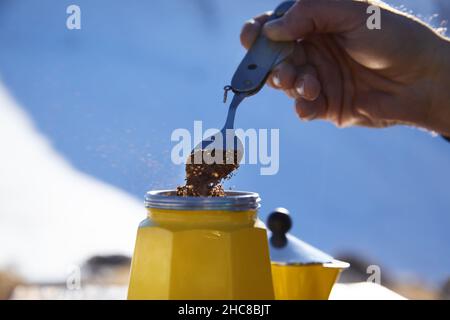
[51, 215]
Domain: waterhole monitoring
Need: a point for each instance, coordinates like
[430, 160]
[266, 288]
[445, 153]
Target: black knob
[279, 223]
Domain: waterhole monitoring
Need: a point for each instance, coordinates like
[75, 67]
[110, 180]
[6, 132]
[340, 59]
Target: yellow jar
[201, 248]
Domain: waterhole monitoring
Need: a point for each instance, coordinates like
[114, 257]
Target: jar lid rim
[232, 201]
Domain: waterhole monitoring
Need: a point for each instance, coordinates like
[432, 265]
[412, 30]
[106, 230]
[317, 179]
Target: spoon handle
[237, 99]
[261, 58]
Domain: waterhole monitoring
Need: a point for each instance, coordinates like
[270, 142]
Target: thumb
[307, 17]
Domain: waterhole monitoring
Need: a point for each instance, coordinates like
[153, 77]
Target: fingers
[311, 110]
[283, 76]
[296, 82]
[330, 76]
[307, 87]
[252, 29]
[302, 84]
[308, 17]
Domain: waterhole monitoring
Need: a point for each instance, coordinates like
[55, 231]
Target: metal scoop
[248, 80]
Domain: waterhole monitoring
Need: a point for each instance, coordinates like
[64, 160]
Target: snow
[363, 291]
[51, 215]
[340, 291]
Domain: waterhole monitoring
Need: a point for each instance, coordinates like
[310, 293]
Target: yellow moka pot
[201, 248]
[299, 271]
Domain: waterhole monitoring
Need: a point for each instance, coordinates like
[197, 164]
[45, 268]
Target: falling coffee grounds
[203, 177]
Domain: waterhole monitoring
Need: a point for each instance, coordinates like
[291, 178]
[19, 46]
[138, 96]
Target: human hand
[344, 72]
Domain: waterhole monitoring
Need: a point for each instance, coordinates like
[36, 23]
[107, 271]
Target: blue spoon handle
[229, 123]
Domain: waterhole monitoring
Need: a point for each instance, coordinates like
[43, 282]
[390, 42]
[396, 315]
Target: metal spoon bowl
[225, 141]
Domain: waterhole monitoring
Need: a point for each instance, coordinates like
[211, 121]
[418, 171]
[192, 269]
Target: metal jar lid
[286, 249]
[232, 201]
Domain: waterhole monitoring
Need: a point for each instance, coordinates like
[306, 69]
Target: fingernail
[311, 116]
[308, 115]
[276, 80]
[271, 28]
[301, 88]
[305, 110]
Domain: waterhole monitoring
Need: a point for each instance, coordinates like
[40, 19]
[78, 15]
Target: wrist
[439, 110]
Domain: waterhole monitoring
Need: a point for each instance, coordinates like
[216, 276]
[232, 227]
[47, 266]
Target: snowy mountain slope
[51, 215]
[108, 97]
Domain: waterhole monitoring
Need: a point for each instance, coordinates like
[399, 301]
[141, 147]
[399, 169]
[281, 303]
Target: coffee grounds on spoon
[203, 179]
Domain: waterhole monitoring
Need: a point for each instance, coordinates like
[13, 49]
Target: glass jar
[201, 248]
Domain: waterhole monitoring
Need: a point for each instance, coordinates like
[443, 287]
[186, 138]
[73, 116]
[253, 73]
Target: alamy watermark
[73, 21]
[73, 280]
[374, 20]
[260, 146]
[374, 272]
